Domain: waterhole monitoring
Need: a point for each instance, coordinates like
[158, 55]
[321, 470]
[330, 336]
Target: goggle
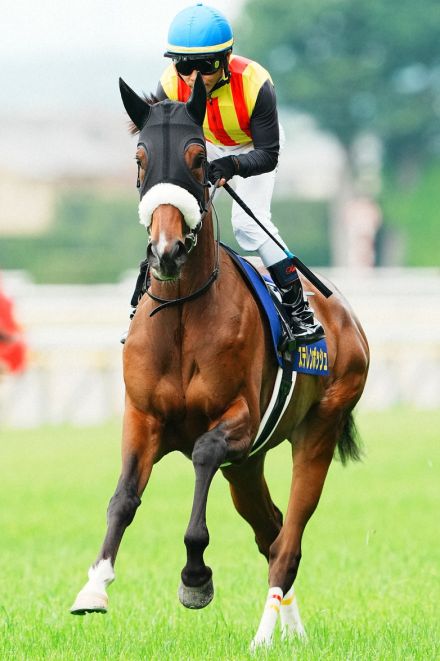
[206, 67]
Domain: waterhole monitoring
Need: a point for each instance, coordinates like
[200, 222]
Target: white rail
[75, 371]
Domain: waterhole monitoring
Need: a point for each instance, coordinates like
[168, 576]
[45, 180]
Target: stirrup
[288, 342]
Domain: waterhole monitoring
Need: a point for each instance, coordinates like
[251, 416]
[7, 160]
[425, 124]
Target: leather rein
[164, 302]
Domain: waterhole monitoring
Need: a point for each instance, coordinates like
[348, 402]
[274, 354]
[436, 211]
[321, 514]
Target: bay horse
[199, 375]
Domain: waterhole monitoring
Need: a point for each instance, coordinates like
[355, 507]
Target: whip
[320, 286]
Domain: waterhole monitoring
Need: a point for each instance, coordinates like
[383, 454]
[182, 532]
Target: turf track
[368, 584]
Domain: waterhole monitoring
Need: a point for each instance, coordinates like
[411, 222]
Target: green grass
[368, 585]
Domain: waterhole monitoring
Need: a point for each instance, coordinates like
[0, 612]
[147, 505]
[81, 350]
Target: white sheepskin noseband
[169, 194]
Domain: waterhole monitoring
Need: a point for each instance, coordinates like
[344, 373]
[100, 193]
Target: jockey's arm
[265, 135]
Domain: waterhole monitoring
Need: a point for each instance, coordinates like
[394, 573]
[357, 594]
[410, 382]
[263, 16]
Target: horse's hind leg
[313, 452]
[253, 502]
[139, 451]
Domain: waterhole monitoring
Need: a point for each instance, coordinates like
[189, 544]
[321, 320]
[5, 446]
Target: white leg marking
[93, 596]
[291, 624]
[264, 634]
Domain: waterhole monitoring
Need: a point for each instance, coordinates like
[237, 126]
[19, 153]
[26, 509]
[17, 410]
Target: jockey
[242, 139]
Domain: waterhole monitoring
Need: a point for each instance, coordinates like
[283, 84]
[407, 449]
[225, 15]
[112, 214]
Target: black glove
[222, 168]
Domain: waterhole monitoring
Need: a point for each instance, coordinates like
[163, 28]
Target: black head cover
[137, 109]
[167, 129]
[196, 104]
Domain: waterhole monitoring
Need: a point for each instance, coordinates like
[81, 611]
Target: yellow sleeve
[254, 78]
[168, 81]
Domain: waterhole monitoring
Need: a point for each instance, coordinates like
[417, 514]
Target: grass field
[368, 586]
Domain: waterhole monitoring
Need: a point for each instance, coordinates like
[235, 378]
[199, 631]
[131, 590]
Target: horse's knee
[210, 450]
[123, 504]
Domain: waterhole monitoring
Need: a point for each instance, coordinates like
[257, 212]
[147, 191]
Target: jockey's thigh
[256, 192]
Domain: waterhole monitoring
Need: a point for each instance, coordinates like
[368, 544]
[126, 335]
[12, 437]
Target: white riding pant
[256, 192]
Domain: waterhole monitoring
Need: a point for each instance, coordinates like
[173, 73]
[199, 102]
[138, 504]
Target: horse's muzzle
[166, 261]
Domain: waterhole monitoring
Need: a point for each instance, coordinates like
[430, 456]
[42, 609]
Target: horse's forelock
[151, 99]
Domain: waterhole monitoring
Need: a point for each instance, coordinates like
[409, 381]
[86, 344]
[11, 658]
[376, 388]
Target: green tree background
[354, 66]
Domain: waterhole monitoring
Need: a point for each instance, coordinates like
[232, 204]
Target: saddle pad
[307, 359]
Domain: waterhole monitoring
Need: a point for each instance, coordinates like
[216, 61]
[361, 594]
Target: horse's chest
[192, 392]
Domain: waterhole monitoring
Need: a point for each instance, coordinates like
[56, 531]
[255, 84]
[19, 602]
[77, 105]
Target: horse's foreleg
[139, 451]
[196, 589]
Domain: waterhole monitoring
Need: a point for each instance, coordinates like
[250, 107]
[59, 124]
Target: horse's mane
[151, 99]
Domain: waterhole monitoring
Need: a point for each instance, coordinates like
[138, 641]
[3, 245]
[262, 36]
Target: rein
[166, 303]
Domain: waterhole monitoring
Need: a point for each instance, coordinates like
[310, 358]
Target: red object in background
[12, 345]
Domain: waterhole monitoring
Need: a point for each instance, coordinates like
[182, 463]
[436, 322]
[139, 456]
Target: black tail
[349, 444]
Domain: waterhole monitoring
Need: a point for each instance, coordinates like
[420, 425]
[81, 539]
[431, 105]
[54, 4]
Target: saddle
[306, 359]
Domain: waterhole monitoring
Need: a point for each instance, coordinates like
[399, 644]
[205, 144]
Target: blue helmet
[199, 31]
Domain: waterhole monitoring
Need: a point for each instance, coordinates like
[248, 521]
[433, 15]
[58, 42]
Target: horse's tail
[349, 444]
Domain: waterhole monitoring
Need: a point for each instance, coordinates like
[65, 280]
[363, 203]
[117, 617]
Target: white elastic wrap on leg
[264, 634]
[169, 194]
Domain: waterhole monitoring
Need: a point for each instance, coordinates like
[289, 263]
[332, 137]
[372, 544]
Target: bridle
[191, 237]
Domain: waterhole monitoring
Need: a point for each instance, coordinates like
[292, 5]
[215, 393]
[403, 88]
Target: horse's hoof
[89, 602]
[258, 644]
[196, 597]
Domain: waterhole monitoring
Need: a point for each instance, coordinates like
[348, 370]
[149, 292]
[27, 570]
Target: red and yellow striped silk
[229, 109]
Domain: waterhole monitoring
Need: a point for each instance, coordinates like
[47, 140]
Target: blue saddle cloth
[306, 359]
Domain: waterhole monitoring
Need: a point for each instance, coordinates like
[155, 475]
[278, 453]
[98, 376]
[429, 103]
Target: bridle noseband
[192, 238]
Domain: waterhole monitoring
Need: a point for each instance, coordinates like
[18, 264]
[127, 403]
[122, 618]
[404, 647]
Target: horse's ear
[196, 104]
[137, 109]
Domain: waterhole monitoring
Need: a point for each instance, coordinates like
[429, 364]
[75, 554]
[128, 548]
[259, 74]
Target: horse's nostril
[151, 251]
[180, 251]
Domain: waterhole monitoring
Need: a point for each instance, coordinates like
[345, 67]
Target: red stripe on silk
[236, 83]
[183, 90]
[215, 124]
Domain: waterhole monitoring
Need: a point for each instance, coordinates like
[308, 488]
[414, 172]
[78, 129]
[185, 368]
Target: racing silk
[229, 109]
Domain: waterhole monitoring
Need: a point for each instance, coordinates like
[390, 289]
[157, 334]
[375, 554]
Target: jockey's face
[210, 80]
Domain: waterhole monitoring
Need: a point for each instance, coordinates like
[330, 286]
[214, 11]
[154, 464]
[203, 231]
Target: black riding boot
[141, 287]
[305, 328]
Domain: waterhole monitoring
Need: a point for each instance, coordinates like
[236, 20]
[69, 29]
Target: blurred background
[357, 196]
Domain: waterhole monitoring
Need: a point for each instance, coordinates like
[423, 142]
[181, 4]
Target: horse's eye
[198, 161]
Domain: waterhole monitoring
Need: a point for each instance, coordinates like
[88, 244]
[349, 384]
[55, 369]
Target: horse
[199, 371]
